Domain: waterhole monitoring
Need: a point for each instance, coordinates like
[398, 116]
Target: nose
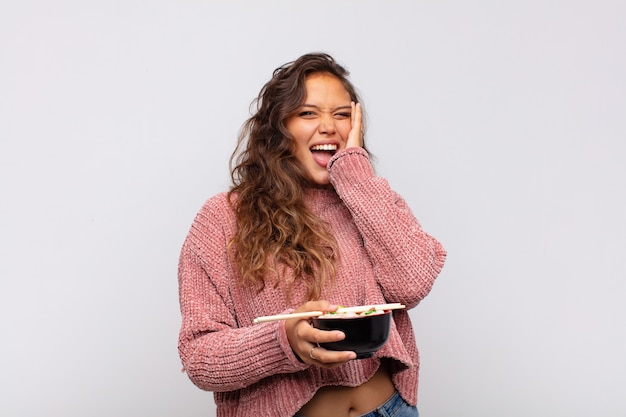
[327, 125]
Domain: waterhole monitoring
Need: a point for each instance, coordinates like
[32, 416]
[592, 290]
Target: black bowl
[364, 334]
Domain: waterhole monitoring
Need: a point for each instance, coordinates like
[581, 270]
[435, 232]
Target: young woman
[306, 226]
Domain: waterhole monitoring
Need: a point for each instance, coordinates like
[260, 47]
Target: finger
[323, 336]
[329, 358]
[357, 119]
[355, 137]
[359, 122]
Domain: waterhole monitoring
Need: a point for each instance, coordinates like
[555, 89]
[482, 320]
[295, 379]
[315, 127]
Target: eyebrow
[347, 106]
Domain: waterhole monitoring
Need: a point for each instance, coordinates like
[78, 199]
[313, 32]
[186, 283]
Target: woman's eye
[342, 115]
[306, 113]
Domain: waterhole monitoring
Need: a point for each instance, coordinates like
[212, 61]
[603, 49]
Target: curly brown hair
[275, 230]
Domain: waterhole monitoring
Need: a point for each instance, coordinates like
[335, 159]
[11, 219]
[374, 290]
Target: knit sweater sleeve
[218, 352]
[405, 258]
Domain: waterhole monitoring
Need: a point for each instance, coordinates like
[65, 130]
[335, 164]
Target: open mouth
[323, 152]
[325, 148]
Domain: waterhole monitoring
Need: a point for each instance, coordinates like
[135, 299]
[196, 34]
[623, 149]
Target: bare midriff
[338, 401]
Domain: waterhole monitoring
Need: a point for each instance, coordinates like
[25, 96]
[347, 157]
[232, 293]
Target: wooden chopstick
[309, 314]
[303, 315]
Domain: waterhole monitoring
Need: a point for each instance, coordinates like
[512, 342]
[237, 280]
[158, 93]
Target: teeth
[325, 147]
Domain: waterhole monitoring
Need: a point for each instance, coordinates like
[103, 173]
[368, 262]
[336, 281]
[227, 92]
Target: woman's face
[321, 125]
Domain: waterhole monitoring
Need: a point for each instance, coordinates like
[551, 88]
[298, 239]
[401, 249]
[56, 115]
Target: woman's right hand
[304, 338]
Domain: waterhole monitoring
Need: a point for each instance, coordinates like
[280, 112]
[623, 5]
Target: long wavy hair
[275, 230]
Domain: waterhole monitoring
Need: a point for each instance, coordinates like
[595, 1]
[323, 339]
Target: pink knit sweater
[385, 257]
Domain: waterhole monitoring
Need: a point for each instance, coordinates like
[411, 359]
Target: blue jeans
[394, 407]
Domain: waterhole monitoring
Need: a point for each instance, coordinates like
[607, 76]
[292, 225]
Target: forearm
[232, 359]
[406, 259]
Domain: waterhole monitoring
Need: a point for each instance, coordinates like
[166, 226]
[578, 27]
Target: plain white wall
[502, 123]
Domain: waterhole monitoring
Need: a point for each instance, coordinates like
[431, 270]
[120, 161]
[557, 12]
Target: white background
[502, 123]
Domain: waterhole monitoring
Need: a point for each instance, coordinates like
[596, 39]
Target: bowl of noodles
[366, 331]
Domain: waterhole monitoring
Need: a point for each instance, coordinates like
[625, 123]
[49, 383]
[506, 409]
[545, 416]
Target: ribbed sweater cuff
[350, 166]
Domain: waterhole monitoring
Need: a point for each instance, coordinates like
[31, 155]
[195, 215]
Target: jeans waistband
[389, 408]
